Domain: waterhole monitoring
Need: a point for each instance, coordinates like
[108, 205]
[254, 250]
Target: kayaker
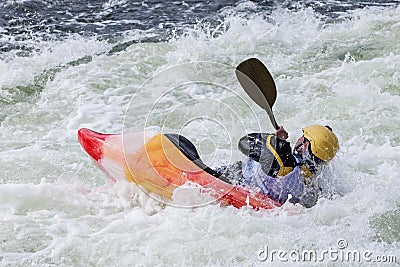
[277, 170]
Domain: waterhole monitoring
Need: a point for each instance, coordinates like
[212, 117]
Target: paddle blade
[257, 82]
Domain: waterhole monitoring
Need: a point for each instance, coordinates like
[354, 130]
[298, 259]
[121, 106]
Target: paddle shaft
[272, 118]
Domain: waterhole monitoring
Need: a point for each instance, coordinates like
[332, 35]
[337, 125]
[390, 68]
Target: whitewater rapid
[58, 209]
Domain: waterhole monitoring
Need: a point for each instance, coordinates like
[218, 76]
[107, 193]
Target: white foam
[74, 222]
[21, 70]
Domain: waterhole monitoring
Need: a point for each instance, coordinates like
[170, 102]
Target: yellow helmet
[324, 143]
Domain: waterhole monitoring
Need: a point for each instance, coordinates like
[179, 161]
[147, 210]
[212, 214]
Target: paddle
[258, 84]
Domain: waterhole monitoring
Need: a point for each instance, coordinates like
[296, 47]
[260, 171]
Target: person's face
[302, 145]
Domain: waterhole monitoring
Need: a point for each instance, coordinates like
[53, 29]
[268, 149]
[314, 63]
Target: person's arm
[280, 188]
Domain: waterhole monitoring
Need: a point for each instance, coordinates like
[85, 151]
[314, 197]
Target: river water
[120, 66]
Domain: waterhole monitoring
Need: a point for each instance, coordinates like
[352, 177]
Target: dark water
[42, 20]
[24, 23]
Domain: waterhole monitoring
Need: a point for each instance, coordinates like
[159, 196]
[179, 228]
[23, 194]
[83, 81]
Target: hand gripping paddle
[258, 84]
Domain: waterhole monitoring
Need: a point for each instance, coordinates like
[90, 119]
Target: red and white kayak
[158, 166]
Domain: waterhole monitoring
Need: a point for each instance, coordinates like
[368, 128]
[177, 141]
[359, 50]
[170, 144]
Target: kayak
[159, 165]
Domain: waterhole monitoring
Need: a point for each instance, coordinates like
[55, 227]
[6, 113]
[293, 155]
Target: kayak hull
[153, 162]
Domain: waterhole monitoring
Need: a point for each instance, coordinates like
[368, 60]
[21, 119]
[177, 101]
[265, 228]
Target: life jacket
[274, 154]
